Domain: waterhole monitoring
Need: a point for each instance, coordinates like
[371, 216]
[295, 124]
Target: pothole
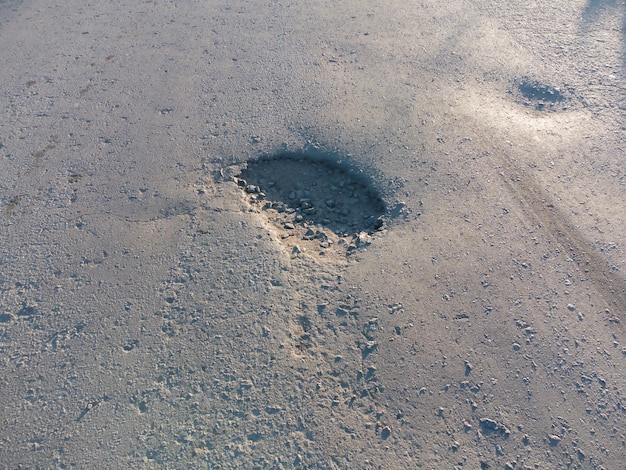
[540, 96]
[316, 206]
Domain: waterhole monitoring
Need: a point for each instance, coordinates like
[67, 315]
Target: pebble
[554, 439]
[321, 236]
[363, 239]
[289, 226]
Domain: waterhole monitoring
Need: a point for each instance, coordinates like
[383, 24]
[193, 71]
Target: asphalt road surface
[333, 235]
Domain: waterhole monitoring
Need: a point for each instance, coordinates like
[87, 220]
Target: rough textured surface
[151, 316]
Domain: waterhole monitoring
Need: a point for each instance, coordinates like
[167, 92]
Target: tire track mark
[538, 205]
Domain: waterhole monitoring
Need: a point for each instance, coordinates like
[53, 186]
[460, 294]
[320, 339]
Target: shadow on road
[595, 10]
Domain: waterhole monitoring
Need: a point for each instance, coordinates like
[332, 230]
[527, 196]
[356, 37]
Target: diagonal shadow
[596, 9]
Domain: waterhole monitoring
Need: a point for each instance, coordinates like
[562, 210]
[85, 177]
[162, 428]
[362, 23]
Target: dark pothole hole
[314, 199]
[540, 96]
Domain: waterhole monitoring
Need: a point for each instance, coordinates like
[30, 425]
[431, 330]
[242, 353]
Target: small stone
[251, 189]
[289, 226]
[363, 239]
[554, 439]
[516, 347]
[321, 236]
[570, 307]
[292, 195]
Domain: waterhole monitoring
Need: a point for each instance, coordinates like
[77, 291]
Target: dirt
[321, 235]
